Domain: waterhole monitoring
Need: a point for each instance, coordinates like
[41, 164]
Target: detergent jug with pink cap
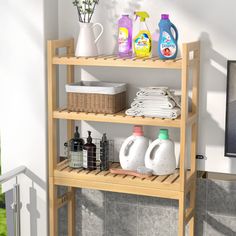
[132, 152]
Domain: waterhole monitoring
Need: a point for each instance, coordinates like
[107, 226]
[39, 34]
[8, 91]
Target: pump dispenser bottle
[104, 153]
[75, 150]
[89, 154]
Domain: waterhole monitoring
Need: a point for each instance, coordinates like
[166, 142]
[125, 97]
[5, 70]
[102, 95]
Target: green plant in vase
[85, 9]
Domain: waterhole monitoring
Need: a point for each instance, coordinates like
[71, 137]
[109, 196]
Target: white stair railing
[16, 195]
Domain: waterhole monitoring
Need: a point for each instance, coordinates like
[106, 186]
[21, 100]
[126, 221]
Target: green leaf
[75, 2]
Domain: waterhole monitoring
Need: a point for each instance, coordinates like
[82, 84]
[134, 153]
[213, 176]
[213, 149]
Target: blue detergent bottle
[168, 44]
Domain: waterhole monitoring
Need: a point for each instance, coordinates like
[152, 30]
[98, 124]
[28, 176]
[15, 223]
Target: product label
[167, 46]
[85, 159]
[76, 159]
[142, 45]
[123, 39]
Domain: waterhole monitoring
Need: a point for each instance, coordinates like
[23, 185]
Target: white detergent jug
[132, 152]
[160, 155]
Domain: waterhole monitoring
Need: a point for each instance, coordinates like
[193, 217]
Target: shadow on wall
[216, 203]
[90, 214]
[34, 213]
[112, 16]
[31, 206]
[213, 65]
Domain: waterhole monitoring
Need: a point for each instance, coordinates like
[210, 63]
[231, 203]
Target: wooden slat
[62, 165]
[115, 61]
[189, 214]
[161, 178]
[62, 200]
[76, 170]
[118, 187]
[119, 118]
[68, 169]
[171, 179]
[168, 182]
[62, 43]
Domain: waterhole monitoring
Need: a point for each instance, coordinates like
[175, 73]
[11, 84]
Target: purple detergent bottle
[125, 27]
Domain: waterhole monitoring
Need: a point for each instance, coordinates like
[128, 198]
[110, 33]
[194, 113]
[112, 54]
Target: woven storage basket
[100, 97]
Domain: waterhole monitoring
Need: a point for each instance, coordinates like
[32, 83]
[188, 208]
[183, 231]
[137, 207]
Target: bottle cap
[163, 134]
[89, 139]
[104, 137]
[76, 135]
[165, 16]
[125, 14]
[138, 130]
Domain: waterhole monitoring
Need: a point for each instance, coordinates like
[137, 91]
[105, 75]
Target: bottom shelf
[167, 186]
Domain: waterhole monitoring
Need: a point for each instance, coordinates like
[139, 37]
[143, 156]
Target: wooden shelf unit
[176, 186]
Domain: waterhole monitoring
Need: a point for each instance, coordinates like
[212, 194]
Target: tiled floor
[112, 214]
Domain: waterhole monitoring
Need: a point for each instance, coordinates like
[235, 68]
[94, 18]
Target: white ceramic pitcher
[87, 44]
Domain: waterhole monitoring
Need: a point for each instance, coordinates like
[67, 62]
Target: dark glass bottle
[89, 154]
[104, 153]
[76, 150]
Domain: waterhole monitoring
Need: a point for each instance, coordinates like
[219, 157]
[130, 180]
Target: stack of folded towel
[155, 102]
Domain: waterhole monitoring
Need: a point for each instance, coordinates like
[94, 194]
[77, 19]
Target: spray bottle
[143, 41]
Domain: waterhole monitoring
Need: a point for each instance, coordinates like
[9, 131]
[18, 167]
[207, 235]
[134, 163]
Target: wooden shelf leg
[71, 212]
[192, 205]
[70, 131]
[53, 213]
[52, 142]
[182, 212]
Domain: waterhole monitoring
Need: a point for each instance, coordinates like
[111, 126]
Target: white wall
[210, 21]
[25, 25]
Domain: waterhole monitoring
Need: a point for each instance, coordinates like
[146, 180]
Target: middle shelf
[121, 118]
[161, 186]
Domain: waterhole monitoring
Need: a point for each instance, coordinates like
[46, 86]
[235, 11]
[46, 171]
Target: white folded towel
[158, 93]
[160, 113]
[153, 103]
[160, 99]
[152, 91]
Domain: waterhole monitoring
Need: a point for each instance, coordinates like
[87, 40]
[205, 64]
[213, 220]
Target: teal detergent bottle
[168, 43]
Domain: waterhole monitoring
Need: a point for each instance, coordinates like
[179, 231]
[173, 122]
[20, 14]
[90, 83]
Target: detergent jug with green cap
[143, 40]
[160, 155]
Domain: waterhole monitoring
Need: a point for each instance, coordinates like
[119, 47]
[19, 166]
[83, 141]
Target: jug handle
[149, 152]
[176, 32]
[99, 36]
[152, 150]
[126, 152]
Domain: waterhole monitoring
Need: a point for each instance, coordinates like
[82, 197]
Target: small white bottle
[160, 155]
[132, 152]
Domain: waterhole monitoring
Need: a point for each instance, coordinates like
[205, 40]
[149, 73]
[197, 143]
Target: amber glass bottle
[89, 154]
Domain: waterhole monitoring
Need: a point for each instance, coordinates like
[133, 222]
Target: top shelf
[190, 52]
[114, 61]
